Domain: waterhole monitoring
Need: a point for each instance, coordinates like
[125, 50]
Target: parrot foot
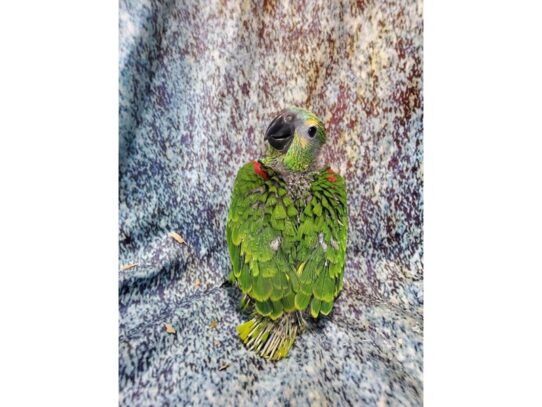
[272, 340]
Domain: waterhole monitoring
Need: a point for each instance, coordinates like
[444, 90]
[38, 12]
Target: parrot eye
[312, 131]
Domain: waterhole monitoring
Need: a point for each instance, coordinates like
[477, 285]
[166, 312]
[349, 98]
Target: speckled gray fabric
[199, 83]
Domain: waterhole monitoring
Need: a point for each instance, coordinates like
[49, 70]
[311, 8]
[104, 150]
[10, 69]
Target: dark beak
[280, 132]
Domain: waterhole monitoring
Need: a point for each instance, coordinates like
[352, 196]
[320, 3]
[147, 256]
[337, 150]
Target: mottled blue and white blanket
[199, 83]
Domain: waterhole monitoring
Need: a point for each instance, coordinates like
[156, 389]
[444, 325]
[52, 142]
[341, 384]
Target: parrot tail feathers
[270, 339]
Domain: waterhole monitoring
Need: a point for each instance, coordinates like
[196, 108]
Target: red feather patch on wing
[331, 177]
[258, 170]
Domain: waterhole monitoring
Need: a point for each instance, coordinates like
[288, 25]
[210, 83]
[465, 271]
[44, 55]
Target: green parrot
[286, 233]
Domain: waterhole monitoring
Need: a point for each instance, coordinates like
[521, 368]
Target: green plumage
[286, 234]
[287, 256]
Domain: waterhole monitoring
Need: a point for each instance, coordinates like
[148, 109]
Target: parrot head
[296, 136]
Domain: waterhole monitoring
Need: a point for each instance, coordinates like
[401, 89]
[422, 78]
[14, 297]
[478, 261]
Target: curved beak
[280, 132]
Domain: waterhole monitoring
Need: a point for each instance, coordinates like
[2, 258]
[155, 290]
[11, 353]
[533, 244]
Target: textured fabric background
[199, 83]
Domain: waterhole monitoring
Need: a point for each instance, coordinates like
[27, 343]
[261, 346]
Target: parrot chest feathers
[297, 183]
[286, 235]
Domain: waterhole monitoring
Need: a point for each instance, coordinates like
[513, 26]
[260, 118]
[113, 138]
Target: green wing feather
[260, 233]
[322, 234]
[286, 255]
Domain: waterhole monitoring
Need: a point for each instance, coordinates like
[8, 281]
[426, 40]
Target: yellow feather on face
[311, 122]
[302, 141]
